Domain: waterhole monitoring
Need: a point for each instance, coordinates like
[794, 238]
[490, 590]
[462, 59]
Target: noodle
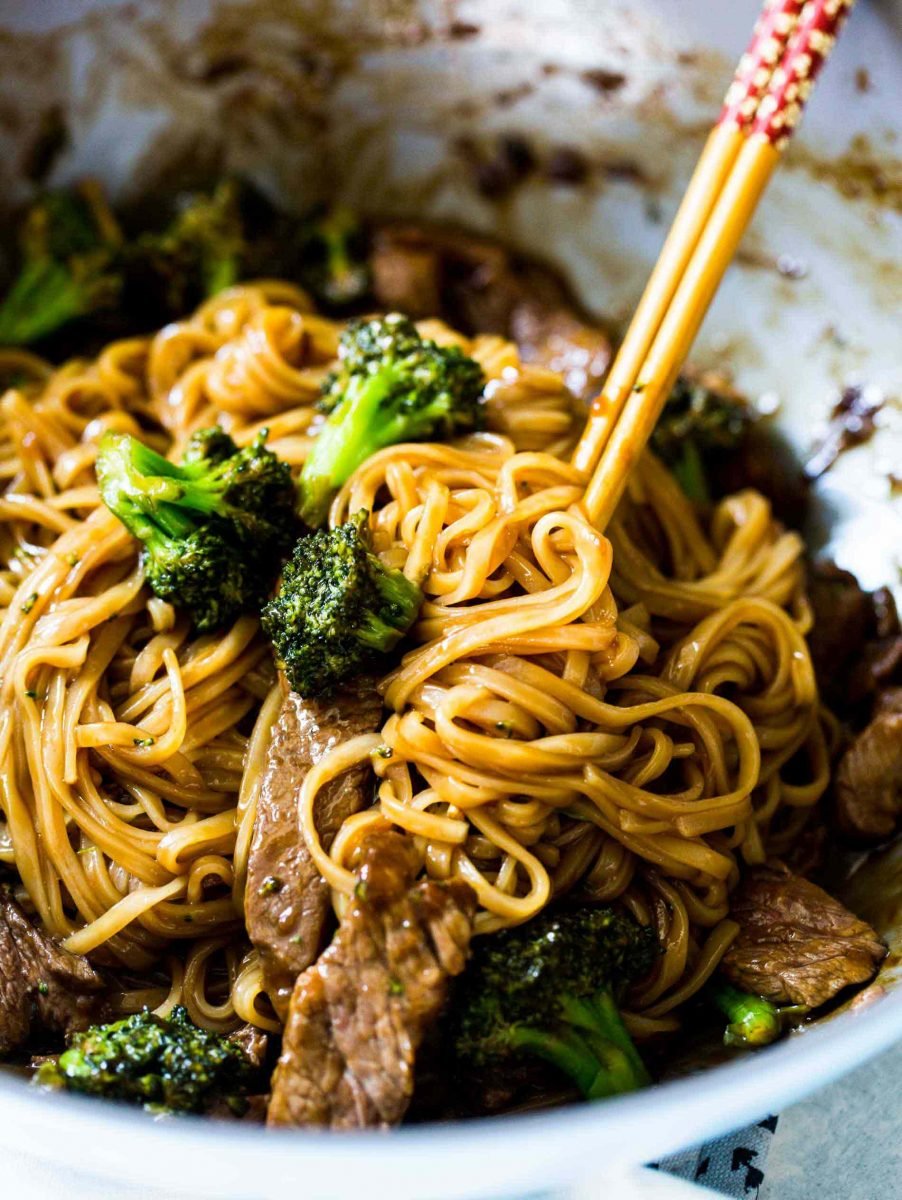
[633, 717]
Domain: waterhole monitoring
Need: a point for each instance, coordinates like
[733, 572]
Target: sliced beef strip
[842, 621]
[807, 854]
[287, 901]
[765, 461]
[856, 641]
[881, 664]
[478, 287]
[406, 270]
[869, 777]
[796, 943]
[41, 983]
[253, 1042]
[553, 335]
[359, 1016]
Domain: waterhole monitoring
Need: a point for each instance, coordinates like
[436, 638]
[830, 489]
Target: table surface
[842, 1143]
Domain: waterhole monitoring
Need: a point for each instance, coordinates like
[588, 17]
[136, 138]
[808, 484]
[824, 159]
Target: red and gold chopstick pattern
[773, 29]
[791, 83]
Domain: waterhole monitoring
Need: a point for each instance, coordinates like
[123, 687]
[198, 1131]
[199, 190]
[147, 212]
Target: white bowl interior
[370, 100]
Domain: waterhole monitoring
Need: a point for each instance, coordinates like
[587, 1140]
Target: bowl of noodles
[282, 801]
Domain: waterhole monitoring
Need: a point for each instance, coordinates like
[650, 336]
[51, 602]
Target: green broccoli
[698, 423]
[215, 528]
[332, 263]
[200, 252]
[390, 386]
[166, 1064]
[70, 244]
[337, 609]
[548, 989]
[754, 1021]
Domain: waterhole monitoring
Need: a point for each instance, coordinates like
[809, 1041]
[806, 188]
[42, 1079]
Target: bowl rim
[490, 1156]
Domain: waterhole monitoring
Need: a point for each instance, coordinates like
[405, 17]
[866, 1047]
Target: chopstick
[775, 25]
[790, 44]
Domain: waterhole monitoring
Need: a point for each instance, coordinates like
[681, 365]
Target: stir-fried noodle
[633, 716]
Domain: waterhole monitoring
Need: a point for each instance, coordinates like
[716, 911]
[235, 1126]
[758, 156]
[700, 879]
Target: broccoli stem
[165, 493]
[44, 297]
[601, 1020]
[220, 274]
[148, 490]
[594, 1048]
[754, 1021]
[355, 430]
[568, 1052]
[690, 472]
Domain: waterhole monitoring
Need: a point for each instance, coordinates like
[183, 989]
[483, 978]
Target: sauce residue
[852, 422]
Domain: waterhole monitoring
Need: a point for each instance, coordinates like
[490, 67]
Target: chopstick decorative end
[773, 29]
[808, 49]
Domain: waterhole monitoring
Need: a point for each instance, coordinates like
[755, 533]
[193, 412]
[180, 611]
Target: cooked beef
[406, 270]
[555, 336]
[253, 1041]
[796, 944]
[41, 983]
[480, 288]
[869, 778]
[428, 272]
[842, 621]
[765, 461]
[359, 1016]
[856, 644]
[883, 654]
[287, 902]
[807, 854]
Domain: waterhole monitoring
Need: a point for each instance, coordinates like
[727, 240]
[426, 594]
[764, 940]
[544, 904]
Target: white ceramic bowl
[370, 99]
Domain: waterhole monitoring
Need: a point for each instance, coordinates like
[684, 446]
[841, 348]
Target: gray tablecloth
[842, 1143]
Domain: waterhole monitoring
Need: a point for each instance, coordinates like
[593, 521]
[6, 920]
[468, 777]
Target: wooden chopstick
[775, 25]
[728, 183]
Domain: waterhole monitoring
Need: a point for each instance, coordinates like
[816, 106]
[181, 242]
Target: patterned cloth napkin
[732, 1165]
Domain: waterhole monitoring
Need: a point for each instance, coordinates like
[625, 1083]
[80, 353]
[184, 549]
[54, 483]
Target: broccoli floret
[754, 1021]
[337, 609]
[697, 424]
[332, 259]
[548, 989]
[70, 245]
[390, 386]
[166, 1064]
[200, 252]
[215, 528]
[212, 445]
